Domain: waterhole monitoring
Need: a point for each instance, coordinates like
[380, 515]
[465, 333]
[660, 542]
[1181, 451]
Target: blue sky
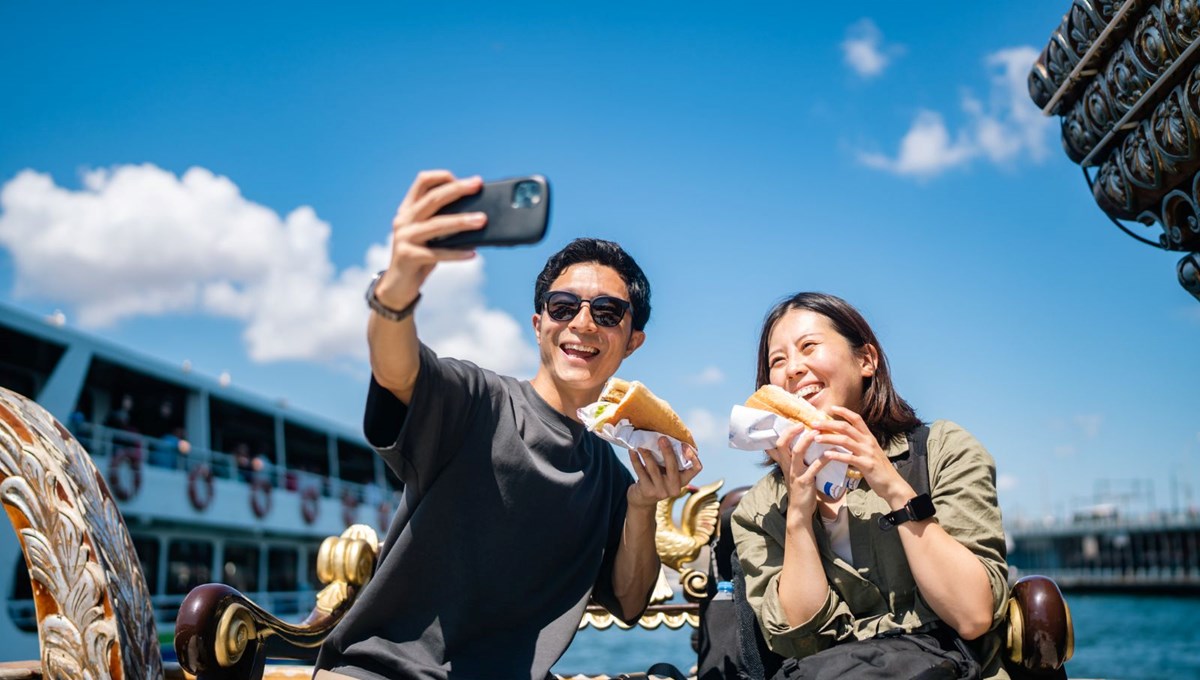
[215, 183]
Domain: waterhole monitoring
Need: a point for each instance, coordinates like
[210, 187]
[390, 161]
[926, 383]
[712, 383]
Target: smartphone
[518, 213]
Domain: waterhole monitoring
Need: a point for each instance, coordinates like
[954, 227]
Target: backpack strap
[914, 467]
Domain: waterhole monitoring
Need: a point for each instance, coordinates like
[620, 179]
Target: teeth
[581, 348]
[807, 391]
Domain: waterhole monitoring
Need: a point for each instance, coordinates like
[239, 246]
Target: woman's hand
[657, 482]
[799, 477]
[865, 455]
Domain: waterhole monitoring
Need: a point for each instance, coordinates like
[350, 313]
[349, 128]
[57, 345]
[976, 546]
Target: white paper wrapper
[753, 430]
[624, 435]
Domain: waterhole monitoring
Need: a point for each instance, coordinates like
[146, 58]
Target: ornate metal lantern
[1125, 79]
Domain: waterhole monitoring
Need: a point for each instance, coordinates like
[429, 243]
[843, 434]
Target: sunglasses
[607, 311]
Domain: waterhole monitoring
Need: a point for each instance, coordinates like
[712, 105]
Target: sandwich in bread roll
[633, 401]
[781, 402]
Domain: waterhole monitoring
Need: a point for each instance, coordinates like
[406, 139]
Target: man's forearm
[635, 568]
[394, 347]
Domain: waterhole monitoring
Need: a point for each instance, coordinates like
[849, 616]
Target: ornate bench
[93, 607]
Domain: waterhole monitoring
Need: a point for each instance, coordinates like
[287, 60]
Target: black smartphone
[518, 213]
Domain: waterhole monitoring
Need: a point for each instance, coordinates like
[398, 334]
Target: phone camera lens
[526, 194]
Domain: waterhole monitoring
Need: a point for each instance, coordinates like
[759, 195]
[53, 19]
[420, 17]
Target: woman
[823, 572]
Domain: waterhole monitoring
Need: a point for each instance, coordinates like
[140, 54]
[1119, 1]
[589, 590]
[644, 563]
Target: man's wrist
[384, 306]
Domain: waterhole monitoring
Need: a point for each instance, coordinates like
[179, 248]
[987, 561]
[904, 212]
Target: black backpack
[731, 644]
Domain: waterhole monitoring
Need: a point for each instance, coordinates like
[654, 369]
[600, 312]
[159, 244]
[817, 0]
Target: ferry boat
[215, 484]
[1100, 548]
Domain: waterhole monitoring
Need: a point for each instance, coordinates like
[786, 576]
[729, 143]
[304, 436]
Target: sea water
[1117, 637]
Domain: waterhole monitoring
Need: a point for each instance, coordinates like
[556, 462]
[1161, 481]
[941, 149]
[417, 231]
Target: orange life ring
[385, 516]
[310, 504]
[122, 487]
[260, 496]
[349, 508]
[200, 486]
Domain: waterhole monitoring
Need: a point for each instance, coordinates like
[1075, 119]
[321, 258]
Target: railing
[1152, 520]
[285, 604]
[167, 453]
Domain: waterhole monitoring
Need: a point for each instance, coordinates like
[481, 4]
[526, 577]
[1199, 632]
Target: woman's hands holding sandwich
[656, 482]
[800, 478]
[849, 431]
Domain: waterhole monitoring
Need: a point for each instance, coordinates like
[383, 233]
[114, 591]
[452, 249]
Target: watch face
[922, 507]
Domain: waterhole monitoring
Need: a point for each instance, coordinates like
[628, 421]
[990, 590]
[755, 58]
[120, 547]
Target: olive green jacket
[877, 594]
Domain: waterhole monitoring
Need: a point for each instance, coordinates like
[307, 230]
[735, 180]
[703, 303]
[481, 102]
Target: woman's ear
[869, 359]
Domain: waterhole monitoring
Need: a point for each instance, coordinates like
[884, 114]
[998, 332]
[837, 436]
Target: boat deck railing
[284, 604]
[166, 453]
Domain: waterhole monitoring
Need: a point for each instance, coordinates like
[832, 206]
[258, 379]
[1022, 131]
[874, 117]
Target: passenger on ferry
[513, 515]
[166, 451]
[910, 563]
[121, 418]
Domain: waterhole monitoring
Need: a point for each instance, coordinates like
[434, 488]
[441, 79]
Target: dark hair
[885, 412]
[605, 253]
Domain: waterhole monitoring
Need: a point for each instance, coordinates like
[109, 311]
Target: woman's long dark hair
[887, 415]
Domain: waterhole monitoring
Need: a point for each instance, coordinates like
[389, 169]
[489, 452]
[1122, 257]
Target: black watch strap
[917, 509]
[383, 310]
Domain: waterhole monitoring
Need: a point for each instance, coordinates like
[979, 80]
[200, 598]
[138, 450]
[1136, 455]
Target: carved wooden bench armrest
[220, 634]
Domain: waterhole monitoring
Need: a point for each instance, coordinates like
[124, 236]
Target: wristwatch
[383, 310]
[917, 509]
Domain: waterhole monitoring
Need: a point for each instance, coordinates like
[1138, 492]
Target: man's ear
[636, 339]
[537, 325]
[869, 359]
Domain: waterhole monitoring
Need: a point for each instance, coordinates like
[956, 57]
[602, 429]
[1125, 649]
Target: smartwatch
[917, 509]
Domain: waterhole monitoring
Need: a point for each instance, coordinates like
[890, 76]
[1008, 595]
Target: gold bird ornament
[679, 544]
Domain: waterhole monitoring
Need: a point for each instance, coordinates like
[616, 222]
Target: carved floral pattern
[93, 608]
[1078, 33]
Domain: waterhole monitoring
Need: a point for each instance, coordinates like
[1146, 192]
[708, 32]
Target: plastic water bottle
[724, 591]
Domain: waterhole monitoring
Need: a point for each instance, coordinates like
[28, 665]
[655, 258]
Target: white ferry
[214, 483]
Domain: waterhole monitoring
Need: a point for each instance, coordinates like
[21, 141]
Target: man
[512, 514]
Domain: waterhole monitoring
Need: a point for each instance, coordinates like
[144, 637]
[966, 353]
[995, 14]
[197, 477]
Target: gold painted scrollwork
[345, 561]
[93, 608]
[235, 629]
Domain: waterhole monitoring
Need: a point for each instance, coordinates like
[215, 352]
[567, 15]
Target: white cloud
[1006, 482]
[711, 375]
[864, 50]
[138, 241]
[999, 130]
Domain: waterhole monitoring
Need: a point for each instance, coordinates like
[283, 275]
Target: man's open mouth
[579, 351]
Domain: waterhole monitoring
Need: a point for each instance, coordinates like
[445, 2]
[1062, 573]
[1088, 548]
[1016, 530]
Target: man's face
[580, 354]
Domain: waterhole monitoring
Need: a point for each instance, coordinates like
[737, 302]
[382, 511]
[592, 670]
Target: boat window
[233, 425]
[27, 361]
[310, 560]
[281, 569]
[134, 401]
[147, 549]
[356, 463]
[241, 566]
[189, 564]
[307, 450]
[22, 587]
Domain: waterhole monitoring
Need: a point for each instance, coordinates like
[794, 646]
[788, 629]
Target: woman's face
[809, 358]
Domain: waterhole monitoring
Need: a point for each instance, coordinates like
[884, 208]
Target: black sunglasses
[607, 311]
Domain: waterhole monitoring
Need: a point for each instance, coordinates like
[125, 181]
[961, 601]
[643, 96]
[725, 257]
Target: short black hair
[604, 253]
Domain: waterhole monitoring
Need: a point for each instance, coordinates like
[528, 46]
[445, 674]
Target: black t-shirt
[510, 518]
